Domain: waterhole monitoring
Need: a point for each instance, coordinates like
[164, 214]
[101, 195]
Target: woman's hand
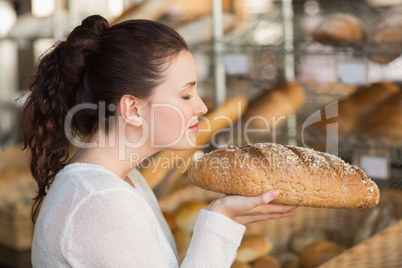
[245, 210]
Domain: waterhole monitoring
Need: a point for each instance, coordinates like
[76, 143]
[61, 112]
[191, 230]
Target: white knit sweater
[92, 218]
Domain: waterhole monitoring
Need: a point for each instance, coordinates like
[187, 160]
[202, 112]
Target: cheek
[167, 117]
[169, 124]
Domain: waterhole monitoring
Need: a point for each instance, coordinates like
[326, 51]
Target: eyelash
[187, 97]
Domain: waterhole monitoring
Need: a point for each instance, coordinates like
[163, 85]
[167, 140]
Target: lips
[194, 127]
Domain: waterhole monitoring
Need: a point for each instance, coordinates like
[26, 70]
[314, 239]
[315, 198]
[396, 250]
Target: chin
[182, 146]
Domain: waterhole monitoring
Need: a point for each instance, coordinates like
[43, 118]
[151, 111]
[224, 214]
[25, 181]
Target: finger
[285, 207]
[273, 216]
[270, 208]
[276, 207]
[261, 199]
[261, 217]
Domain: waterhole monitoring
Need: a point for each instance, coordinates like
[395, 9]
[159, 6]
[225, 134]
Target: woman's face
[175, 106]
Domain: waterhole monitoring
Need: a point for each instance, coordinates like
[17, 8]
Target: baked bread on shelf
[365, 98]
[266, 262]
[319, 252]
[386, 120]
[339, 28]
[357, 105]
[253, 247]
[271, 108]
[187, 214]
[239, 264]
[385, 38]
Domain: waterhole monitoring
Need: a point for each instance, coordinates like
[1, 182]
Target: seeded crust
[302, 176]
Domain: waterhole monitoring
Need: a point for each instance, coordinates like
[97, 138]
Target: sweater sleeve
[112, 229]
[215, 241]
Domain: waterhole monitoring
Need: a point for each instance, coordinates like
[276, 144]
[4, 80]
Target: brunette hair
[94, 64]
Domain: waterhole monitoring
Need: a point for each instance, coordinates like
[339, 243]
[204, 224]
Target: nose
[200, 108]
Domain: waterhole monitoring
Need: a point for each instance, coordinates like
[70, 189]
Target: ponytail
[53, 92]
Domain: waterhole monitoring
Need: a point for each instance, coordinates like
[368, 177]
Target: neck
[118, 156]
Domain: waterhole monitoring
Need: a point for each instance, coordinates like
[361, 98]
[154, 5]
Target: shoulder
[78, 184]
[90, 177]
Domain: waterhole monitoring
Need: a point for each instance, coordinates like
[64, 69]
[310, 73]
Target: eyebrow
[189, 84]
[192, 83]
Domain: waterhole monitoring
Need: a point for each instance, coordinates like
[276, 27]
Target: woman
[118, 92]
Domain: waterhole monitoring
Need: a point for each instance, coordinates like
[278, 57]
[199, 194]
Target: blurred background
[288, 58]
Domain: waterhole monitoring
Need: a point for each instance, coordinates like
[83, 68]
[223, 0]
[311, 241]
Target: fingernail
[275, 193]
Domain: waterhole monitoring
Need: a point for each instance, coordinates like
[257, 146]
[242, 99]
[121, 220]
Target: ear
[129, 110]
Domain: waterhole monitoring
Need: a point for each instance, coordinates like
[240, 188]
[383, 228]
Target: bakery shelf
[308, 16]
[263, 33]
[315, 68]
[380, 250]
[262, 41]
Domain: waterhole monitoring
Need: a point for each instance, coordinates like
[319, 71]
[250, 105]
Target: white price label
[236, 64]
[374, 166]
[353, 72]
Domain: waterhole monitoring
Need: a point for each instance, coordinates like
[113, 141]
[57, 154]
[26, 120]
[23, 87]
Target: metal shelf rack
[287, 54]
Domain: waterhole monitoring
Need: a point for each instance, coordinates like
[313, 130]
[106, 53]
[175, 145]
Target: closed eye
[187, 97]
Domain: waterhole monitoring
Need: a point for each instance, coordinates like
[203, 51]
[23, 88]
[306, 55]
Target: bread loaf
[339, 27]
[187, 214]
[170, 219]
[386, 120]
[151, 10]
[347, 119]
[385, 44]
[288, 258]
[239, 264]
[253, 247]
[182, 240]
[357, 105]
[318, 252]
[302, 238]
[265, 111]
[266, 262]
[177, 199]
[302, 176]
[385, 38]
[365, 98]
